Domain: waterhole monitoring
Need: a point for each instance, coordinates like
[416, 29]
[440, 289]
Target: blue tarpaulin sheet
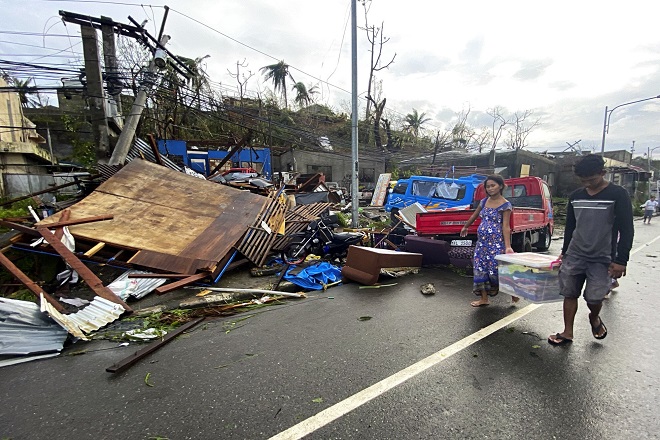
[314, 277]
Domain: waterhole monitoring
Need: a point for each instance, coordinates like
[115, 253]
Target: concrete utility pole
[133, 118]
[96, 95]
[355, 171]
[110, 57]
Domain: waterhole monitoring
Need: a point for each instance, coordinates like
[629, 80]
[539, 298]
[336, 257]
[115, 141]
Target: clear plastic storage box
[529, 275]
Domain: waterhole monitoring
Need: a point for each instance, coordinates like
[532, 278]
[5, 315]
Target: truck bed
[451, 222]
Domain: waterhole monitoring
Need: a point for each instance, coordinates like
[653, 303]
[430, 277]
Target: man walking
[649, 208]
[597, 241]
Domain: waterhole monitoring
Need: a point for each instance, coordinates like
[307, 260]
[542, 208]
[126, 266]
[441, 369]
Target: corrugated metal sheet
[137, 288]
[25, 330]
[141, 149]
[98, 313]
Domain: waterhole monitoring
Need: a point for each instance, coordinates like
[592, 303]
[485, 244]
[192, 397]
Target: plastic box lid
[530, 259]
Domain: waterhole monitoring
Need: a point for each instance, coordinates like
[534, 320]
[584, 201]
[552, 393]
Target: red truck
[532, 222]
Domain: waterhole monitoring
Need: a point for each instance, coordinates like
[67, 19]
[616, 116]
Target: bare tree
[241, 78]
[499, 122]
[461, 133]
[481, 140]
[376, 38]
[522, 126]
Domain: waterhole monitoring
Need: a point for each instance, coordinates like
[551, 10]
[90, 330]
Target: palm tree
[23, 89]
[278, 73]
[304, 96]
[415, 121]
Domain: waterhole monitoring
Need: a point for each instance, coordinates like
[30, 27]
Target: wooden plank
[21, 228]
[85, 273]
[160, 275]
[27, 282]
[97, 247]
[170, 263]
[80, 221]
[127, 362]
[181, 283]
[154, 149]
[380, 192]
[59, 232]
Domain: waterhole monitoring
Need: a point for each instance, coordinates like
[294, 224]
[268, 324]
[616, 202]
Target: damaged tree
[376, 39]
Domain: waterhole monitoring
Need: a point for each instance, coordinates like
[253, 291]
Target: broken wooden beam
[19, 227]
[160, 275]
[59, 232]
[181, 283]
[79, 221]
[154, 149]
[27, 282]
[130, 360]
[97, 247]
[85, 273]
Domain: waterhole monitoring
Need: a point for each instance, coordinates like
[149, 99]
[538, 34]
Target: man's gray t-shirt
[599, 227]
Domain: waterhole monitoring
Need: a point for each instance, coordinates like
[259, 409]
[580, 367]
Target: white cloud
[565, 61]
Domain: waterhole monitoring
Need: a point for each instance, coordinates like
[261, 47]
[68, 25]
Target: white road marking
[347, 405]
[356, 400]
[645, 245]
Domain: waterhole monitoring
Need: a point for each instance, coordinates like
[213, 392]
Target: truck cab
[434, 193]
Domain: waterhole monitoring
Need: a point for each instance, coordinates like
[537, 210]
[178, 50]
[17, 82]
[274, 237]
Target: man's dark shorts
[574, 272]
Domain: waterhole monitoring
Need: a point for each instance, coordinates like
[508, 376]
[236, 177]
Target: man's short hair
[589, 165]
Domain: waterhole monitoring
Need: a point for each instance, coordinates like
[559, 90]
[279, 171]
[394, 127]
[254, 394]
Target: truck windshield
[439, 190]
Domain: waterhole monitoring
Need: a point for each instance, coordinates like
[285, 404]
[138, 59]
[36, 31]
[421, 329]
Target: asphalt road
[422, 367]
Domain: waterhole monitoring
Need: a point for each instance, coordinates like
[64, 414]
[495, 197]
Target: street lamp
[608, 115]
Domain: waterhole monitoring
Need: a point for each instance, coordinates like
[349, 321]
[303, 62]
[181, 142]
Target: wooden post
[85, 273]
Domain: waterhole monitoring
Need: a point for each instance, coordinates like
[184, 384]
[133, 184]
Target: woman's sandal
[560, 340]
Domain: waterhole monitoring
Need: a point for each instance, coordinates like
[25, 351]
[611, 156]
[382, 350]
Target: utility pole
[133, 118]
[130, 125]
[355, 170]
[161, 56]
[95, 93]
[112, 76]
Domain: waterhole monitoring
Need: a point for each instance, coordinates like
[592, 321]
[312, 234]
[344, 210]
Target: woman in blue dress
[494, 238]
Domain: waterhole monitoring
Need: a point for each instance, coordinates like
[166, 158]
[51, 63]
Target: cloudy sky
[564, 61]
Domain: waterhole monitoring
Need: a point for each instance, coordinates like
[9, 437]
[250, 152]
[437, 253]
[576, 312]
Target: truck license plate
[461, 242]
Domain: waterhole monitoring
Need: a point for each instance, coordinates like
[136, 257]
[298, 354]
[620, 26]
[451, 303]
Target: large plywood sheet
[164, 212]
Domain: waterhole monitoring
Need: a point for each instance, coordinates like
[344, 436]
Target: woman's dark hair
[589, 165]
[497, 179]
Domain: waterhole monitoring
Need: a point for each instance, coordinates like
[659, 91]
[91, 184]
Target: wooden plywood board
[166, 213]
[380, 192]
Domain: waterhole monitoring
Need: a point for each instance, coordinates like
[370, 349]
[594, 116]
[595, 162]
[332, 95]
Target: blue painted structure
[200, 160]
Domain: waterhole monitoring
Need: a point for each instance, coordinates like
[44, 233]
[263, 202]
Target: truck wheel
[527, 245]
[545, 240]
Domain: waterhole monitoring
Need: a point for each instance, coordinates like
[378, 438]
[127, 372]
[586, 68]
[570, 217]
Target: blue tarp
[314, 277]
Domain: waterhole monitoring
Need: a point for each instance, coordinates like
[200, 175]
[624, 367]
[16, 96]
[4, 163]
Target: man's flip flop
[597, 329]
[560, 340]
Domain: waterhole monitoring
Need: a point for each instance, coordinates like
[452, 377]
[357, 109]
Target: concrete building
[24, 157]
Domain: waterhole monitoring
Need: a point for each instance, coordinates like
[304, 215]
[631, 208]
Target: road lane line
[347, 405]
[644, 245]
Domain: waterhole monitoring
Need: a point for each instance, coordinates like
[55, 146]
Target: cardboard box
[529, 275]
